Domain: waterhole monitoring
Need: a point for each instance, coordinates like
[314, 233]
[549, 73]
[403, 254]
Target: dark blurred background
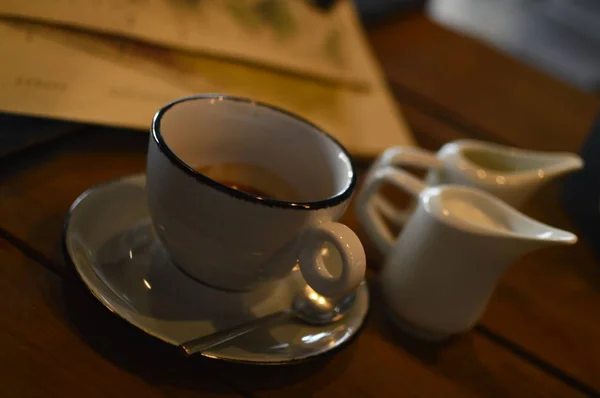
[559, 37]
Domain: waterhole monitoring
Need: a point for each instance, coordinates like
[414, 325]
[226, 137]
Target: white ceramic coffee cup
[235, 240]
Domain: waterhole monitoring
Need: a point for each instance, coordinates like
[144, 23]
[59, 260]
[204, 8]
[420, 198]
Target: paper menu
[54, 72]
[44, 77]
[290, 35]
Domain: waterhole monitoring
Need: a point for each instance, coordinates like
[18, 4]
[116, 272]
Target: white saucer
[110, 240]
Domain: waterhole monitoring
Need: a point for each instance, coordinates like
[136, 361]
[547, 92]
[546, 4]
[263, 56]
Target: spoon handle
[215, 339]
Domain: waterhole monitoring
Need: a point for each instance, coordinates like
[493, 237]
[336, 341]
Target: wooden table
[539, 337]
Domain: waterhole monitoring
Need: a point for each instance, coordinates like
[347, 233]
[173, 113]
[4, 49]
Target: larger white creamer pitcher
[441, 271]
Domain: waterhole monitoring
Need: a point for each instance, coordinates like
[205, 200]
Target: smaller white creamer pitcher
[441, 271]
[511, 174]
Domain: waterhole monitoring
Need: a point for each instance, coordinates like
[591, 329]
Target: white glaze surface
[511, 174]
[238, 243]
[467, 212]
[441, 271]
[213, 131]
[110, 240]
[508, 173]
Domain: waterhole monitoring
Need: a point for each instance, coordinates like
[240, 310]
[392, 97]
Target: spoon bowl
[312, 308]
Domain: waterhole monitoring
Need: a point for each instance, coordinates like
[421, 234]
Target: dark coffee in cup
[251, 179]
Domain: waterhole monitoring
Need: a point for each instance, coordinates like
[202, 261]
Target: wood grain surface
[469, 84]
[38, 191]
[538, 337]
[56, 340]
[452, 87]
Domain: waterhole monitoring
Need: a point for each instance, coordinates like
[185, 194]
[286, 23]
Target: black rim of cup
[313, 205]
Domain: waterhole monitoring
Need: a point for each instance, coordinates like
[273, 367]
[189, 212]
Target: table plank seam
[37, 146]
[33, 254]
[230, 390]
[535, 360]
[408, 96]
[55, 268]
[482, 330]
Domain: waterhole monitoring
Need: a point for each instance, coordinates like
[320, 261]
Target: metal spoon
[307, 306]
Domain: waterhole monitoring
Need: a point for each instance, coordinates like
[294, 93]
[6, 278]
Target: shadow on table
[457, 358]
[302, 379]
[165, 366]
[130, 349]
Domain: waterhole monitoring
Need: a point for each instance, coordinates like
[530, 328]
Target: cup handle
[371, 219]
[351, 252]
[401, 156]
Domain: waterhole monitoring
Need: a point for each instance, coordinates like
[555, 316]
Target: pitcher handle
[371, 219]
[398, 157]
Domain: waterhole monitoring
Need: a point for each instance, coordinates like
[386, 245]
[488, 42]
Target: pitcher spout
[535, 235]
[500, 160]
[490, 219]
[560, 163]
[523, 234]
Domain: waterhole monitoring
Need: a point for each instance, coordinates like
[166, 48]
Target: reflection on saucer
[128, 270]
